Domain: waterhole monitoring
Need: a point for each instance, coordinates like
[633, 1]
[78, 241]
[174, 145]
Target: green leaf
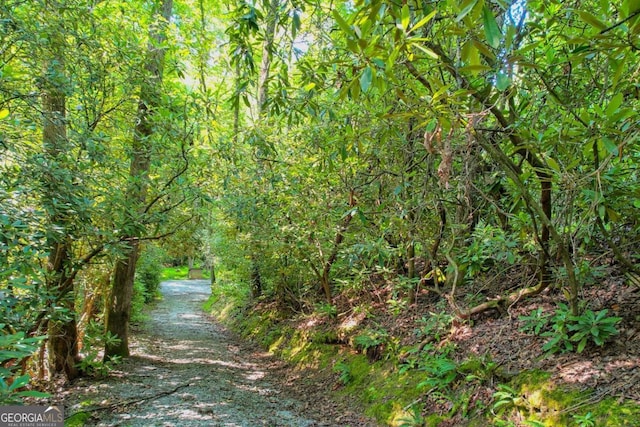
[342, 23]
[405, 17]
[475, 69]
[491, 30]
[629, 7]
[424, 21]
[484, 49]
[613, 106]
[363, 218]
[469, 50]
[591, 20]
[295, 24]
[600, 315]
[553, 164]
[610, 146]
[503, 81]
[429, 52]
[32, 393]
[19, 382]
[466, 9]
[365, 79]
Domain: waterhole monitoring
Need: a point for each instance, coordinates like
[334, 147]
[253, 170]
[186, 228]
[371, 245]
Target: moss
[325, 337]
[556, 405]
[609, 412]
[384, 391]
[433, 420]
[78, 419]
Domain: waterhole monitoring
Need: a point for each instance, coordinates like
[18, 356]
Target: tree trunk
[545, 203]
[120, 303]
[63, 333]
[267, 48]
[325, 278]
[213, 272]
[62, 329]
[256, 280]
[263, 96]
[409, 172]
[411, 270]
[150, 91]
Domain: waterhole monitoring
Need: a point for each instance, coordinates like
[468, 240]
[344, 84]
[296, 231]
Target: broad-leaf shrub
[571, 333]
[14, 348]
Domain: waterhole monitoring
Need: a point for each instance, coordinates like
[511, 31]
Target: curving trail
[186, 370]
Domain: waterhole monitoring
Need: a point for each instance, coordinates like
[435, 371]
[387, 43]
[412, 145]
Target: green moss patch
[79, 419]
[539, 398]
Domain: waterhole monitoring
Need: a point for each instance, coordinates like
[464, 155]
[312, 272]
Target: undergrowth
[427, 383]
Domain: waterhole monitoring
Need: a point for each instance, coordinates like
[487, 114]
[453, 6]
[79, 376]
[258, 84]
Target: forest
[434, 205]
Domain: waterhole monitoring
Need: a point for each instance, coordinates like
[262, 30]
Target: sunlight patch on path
[186, 371]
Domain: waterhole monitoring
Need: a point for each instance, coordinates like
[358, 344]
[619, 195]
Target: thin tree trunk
[546, 204]
[150, 90]
[409, 162]
[325, 278]
[256, 280]
[267, 48]
[236, 107]
[213, 271]
[263, 96]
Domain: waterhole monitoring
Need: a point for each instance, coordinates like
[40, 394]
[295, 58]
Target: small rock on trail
[187, 370]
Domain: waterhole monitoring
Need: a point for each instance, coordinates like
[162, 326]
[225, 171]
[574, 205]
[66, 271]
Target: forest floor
[494, 350]
[609, 374]
[188, 370]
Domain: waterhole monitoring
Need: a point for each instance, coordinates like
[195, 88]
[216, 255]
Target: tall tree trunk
[267, 49]
[150, 91]
[62, 331]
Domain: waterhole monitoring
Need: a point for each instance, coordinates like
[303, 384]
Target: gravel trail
[186, 370]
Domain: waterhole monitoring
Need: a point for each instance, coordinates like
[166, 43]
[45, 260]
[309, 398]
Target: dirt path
[186, 370]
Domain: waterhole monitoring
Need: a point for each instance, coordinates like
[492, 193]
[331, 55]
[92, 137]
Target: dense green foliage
[324, 155]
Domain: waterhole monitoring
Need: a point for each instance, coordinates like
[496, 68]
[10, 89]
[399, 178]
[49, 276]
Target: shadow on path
[186, 370]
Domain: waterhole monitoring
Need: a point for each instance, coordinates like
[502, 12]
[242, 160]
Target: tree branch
[616, 25]
[167, 184]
